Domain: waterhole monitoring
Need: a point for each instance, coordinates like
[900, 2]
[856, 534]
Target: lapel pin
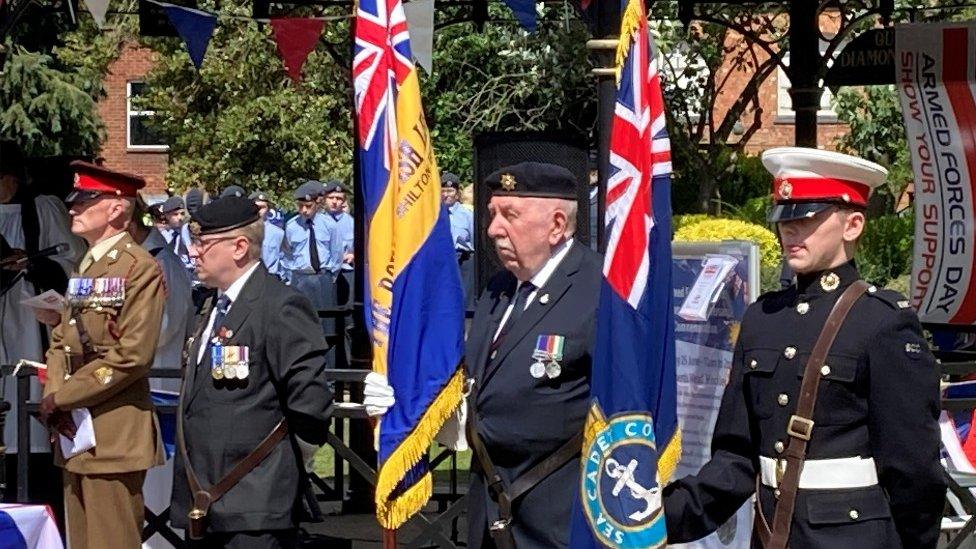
[544, 299]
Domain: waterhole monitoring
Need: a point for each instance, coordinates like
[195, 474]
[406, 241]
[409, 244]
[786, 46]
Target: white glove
[452, 434]
[308, 453]
[377, 394]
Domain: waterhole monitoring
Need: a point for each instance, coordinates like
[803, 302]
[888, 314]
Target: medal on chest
[547, 354]
[93, 292]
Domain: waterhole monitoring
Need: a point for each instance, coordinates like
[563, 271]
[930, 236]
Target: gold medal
[217, 373]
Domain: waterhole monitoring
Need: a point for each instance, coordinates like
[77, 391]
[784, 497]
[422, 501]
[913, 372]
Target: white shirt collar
[235, 288]
[541, 277]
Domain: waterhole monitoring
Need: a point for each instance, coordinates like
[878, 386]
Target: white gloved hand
[452, 433]
[377, 394]
[308, 453]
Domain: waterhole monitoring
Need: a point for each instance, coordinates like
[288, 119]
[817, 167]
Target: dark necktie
[521, 297]
[222, 306]
[313, 250]
[174, 241]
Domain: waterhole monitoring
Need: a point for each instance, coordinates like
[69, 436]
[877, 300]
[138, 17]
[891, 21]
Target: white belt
[826, 474]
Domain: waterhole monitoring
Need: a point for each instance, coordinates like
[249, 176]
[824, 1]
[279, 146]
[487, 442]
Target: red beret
[92, 180]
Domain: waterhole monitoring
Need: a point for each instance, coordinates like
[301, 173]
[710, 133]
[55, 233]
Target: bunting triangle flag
[195, 27]
[296, 37]
[524, 11]
[98, 9]
[420, 21]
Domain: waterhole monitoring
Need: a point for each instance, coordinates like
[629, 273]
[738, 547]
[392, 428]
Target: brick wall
[774, 130]
[132, 65]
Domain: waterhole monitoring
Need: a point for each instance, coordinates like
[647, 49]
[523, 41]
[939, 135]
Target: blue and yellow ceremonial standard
[631, 440]
[415, 310]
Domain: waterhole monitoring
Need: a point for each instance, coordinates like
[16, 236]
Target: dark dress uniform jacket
[880, 399]
[521, 419]
[224, 420]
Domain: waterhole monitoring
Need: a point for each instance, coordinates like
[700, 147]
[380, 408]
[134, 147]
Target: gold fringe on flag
[392, 513]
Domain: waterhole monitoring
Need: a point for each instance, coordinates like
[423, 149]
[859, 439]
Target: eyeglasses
[204, 245]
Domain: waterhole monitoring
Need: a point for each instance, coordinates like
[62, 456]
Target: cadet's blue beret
[233, 190]
[309, 190]
[172, 204]
[224, 214]
[533, 179]
[333, 186]
[260, 195]
[450, 181]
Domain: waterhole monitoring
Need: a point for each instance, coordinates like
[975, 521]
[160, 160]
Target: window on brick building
[784, 103]
[139, 135]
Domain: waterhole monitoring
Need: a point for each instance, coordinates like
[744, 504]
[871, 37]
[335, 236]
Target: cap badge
[785, 189]
[830, 282]
[508, 182]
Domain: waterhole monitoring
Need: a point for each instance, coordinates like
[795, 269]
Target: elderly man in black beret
[528, 352]
[256, 360]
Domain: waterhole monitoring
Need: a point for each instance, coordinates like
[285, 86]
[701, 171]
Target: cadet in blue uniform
[272, 248]
[176, 232]
[341, 250]
[519, 416]
[308, 239]
[868, 473]
[462, 232]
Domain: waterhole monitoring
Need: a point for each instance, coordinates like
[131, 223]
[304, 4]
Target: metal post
[606, 24]
[360, 498]
[804, 69]
[23, 436]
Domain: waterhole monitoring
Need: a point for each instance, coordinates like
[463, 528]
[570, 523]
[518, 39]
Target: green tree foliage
[241, 120]
[877, 132]
[49, 87]
[504, 78]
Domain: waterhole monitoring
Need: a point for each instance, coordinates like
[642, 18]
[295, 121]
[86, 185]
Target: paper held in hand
[708, 286]
[49, 300]
[84, 436]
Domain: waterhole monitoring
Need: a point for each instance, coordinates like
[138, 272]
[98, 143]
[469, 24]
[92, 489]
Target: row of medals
[96, 291]
[546, 365]
[229, 369]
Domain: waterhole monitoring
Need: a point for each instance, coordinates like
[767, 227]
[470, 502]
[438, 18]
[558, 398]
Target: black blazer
[521, 419]
[224, 420]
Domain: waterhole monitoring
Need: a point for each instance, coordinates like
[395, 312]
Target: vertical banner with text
[935, 71]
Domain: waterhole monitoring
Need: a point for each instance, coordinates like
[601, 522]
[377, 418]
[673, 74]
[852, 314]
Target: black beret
[333, 186]
[309, 190]
[233, 190]
[224, 214]
[450, 181]
[194, 199]
[172, 204]
[533, 179]
[260, 195]
[156, 210]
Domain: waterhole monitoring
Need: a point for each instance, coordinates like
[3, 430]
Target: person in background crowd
[340, 263]
[244, 365]
[308, 240]
[462, 231]
[98, 364]
[194, 199]
[177, 314]
[29, 222]
[272, 249]
[233, 190]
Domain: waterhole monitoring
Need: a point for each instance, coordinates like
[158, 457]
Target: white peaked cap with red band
[807, 180]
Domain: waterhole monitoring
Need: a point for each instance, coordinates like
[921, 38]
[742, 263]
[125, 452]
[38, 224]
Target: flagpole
[389, 538]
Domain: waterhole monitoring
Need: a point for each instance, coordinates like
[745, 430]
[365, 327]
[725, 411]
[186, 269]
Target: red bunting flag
[296, 38]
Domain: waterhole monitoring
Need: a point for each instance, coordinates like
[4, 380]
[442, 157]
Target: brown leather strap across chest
[800, 425]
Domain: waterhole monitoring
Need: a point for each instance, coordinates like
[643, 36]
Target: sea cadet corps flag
[935, 72]
[631, 440]
[415, 310]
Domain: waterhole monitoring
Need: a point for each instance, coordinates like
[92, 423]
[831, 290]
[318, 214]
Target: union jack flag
[382, 62]
[633, 377]
[639, 150]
